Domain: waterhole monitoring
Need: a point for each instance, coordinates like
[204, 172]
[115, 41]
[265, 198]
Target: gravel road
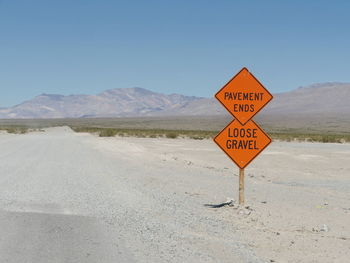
[68, 197]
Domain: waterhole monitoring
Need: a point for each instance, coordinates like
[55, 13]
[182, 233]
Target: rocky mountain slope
[326, 99]
[111, 103]
[318, 98]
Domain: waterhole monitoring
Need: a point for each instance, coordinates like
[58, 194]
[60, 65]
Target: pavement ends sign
[243, 96]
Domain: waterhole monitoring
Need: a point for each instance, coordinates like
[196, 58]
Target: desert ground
[76, 197]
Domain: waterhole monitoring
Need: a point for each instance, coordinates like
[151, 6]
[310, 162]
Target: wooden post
[241, 186]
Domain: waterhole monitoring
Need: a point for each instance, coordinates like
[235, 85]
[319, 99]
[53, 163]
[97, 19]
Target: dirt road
[68, 197]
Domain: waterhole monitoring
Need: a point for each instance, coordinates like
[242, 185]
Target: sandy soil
[298, 194]
[148, 198]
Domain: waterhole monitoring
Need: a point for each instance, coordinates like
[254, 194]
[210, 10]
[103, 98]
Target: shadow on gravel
[228, 203]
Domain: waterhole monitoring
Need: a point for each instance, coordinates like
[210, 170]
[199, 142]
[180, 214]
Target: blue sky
[183, 46]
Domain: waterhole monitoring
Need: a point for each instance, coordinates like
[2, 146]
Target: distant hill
[318, 107]
[318, 98]
[111, 103]
[311, 106]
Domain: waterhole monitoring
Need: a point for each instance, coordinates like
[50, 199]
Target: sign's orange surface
[242, 143]
[243, 96]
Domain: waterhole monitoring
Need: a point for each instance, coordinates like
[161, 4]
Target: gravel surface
[67, 197]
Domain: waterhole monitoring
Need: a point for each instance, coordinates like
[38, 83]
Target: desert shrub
[11, 130]
[195, 137]
[108, 133]
[171, 135]
[22, 130]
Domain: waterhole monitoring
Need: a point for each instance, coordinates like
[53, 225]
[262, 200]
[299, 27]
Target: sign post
[241, 186]
[242, 139]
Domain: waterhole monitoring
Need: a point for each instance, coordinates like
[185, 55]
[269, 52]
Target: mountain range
[325, 99]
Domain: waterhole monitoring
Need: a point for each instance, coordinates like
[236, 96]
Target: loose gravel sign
[242, 143]
[242, 139]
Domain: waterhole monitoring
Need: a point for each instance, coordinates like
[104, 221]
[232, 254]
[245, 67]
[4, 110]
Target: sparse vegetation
[193, 128]
[15, 129]
[146, 133]
[302, 137]
[201, 135]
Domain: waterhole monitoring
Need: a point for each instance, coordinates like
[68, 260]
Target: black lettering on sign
[242, 133]
[242, 139]
[248, 96]
[241, 145]
[243, 107]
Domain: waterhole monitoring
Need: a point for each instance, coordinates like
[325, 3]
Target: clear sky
[192, 47]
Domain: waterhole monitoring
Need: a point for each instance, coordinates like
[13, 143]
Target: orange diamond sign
[242, 143]
[243, 96]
